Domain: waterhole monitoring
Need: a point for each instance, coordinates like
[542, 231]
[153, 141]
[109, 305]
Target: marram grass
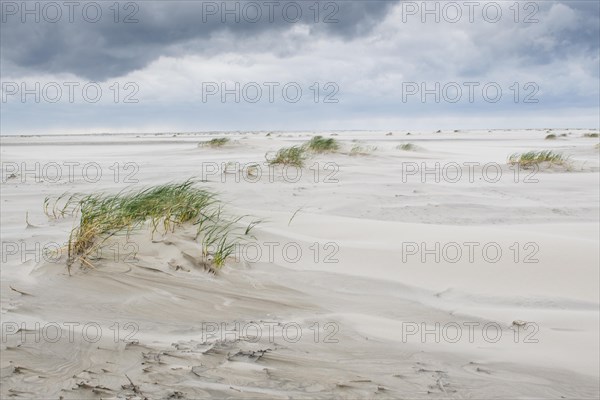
[406, 147]
[161, 208]
[216, 142]
[319, 144]
[293, 156]
[297, 155]
[358, 150]
[532, 158]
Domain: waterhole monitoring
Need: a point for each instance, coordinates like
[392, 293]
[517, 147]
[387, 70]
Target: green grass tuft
[319, 144]
[407, 147]
[358, 150]
[216, 142]
[161, 208]
[532, 158]
[550, 137]
[294, 156]
[590, 135]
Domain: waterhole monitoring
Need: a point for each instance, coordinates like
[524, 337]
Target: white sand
[370, 219]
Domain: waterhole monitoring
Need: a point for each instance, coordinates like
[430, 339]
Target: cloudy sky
[188, 66]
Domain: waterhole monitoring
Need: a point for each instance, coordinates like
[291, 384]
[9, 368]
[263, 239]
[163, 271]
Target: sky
[191, 66]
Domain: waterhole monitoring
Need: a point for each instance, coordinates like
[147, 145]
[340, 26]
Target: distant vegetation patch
[407, 147]
[293, 156]
[319, 144]
[358, 150]
[216, 142]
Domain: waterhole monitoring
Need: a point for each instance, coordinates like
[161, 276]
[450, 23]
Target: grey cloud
[580, 36]
[565, 31]
[107, 49]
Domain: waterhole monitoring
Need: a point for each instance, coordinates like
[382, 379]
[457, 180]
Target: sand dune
[371, 275]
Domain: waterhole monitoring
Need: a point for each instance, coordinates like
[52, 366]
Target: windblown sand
[371, 276]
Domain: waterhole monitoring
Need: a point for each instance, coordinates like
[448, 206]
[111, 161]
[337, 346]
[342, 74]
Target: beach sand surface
[441, 272]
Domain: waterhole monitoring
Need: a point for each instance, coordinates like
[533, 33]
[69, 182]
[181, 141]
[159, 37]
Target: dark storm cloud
[106, 48]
